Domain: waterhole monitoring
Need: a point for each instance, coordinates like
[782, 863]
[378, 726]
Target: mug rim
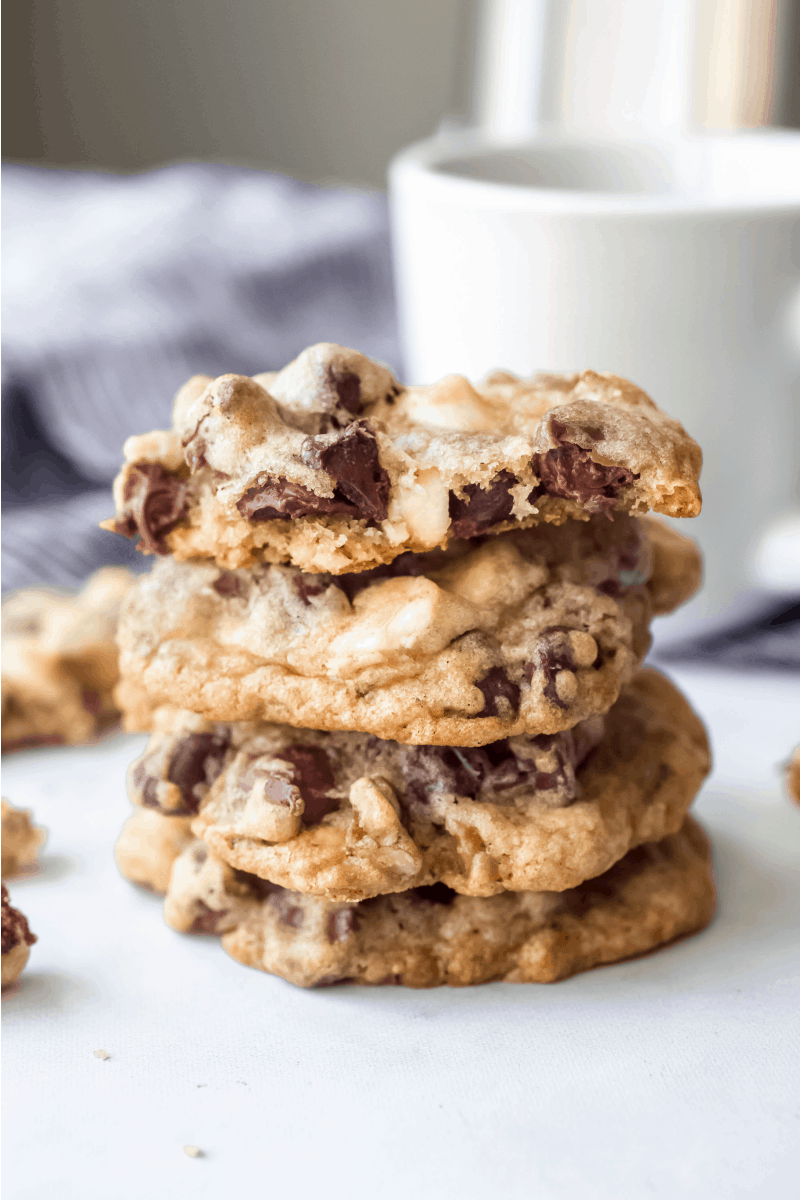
[423, 163]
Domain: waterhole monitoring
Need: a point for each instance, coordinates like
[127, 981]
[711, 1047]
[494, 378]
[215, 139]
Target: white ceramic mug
[676, 266]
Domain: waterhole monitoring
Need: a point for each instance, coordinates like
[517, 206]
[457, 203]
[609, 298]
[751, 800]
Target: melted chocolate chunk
[154, 501]
[280, 500]
[571, 472]
[497, 686]
[194, 764]
[314, 778]
[14, 925]
[353, 462]
[480, 508]
[553, 654]
[227, 584]
[341, 924]
[362, 484]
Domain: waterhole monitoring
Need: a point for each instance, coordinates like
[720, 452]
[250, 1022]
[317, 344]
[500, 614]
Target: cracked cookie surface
[530, 631]
[348, 816]
[333, 466]
[431, 936]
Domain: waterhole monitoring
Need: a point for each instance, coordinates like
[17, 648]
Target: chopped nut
[101, 1054]
[193, 1151]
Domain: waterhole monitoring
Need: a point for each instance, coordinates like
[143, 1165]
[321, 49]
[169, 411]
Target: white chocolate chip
[395, 617]
[423, 502]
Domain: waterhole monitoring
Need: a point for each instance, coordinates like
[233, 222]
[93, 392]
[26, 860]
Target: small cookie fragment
[148, 846]
[17, 940]
[793, 776]
[60, 661]
[21, 839]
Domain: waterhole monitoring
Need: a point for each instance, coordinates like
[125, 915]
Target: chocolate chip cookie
[149, 844]
[60, 661]
[348, 816]
[20, 840]
[531, 631]
[431, 935]
[17, 941]
[333, 466]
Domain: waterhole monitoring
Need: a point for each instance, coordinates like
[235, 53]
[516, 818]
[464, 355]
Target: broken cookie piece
[332, 465]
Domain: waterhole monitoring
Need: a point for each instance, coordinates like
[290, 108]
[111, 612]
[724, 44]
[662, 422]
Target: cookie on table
[60, 661]
[148, 846]
[793, 776]
[17, 941]
[530, 631]
[431, 936]
[347, 816]
[332, 465]
[21, 840]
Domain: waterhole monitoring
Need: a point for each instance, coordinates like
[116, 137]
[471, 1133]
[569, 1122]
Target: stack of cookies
[390, 659]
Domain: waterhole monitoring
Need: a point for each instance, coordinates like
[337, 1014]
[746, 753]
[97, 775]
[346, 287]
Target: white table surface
[675, 1075]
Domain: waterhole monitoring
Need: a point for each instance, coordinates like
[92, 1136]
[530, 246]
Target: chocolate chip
[227, 584]
[497, 686]
[154, 500]
[571, 472]
[347, 386]
[353, 462]
[553, 654]
[207, 919]
[306, 588]
[280, 500]
[341, 924]
[292, 916]
[313, 777]
[481, 507]
[194, 764]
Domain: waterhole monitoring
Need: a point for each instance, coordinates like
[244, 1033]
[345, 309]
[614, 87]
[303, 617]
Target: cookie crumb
[193, 1151]
[102, 1054]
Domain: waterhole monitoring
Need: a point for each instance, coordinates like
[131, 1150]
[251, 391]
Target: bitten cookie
[432, 936]
[530, 631]
[333, 466]
[347, 816]
[148, 845]
[20, 839]
[60, 661]
[17, 941]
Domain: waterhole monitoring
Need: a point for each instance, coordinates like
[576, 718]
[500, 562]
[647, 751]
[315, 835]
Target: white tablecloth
[675, 1075]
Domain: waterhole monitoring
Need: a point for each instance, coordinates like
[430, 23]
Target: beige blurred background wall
[320, 89]
[316, 88]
